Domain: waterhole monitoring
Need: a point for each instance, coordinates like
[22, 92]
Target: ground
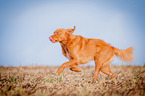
[43, 81]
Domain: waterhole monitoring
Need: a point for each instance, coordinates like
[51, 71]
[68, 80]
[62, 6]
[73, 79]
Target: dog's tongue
[51, 39]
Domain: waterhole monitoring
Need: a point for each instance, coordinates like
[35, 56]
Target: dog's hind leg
[76, 69]
[106, 67]
[105, 55]
[107, 70]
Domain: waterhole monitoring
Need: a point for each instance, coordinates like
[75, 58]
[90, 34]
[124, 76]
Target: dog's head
[61, 34]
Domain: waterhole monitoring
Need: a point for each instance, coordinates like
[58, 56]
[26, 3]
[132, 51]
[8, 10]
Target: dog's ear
[71, 30]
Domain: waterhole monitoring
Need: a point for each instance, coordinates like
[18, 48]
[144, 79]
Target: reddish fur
[80, 50]
[124, 54]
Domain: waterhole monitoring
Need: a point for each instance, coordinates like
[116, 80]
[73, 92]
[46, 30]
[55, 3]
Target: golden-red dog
[80, 50]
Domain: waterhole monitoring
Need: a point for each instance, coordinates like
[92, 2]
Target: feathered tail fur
[125, 54]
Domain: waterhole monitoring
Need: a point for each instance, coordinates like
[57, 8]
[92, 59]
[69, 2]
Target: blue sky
[25, 26]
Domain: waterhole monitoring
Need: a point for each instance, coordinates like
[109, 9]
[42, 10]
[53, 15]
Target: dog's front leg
[71, 63]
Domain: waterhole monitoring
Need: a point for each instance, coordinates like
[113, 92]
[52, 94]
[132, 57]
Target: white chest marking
[67, 54]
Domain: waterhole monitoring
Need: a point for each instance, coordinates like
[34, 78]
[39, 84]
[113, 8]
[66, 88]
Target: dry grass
[42, 81]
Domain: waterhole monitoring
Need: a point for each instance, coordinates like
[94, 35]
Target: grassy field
[43, 81]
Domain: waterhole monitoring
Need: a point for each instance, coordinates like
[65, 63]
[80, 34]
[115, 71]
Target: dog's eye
[57, 33]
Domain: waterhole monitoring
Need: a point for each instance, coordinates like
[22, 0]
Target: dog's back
[83, 48]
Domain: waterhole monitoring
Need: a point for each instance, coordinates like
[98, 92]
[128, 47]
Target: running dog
[81, 50]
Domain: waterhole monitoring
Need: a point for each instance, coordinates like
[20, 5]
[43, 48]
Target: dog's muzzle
[51, 39]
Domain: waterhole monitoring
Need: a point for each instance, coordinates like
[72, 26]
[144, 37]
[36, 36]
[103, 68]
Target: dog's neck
[63, 42]
[67, 40]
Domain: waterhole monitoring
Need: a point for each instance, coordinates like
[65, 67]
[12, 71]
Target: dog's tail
[124, 54]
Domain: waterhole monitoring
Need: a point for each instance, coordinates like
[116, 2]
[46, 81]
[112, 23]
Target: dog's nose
[50, 38]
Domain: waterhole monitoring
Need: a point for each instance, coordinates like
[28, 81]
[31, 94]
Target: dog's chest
[67, 53]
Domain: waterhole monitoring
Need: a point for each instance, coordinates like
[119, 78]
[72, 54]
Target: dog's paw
[58, 73]
[76, 69]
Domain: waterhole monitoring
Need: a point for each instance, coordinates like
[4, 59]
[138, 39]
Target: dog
[81, 50]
